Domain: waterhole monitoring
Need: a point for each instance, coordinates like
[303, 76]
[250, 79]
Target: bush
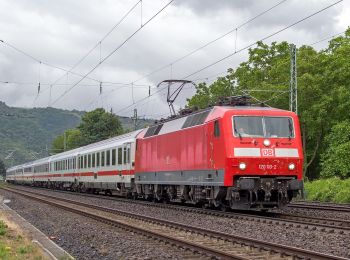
[328, 190]
[3, 228]
[335, 161]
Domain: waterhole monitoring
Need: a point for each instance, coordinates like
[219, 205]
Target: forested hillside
[28, 133]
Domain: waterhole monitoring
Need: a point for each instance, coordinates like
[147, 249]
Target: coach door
[126, 157]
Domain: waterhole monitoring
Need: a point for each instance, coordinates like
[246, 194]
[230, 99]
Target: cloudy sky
[61, 33]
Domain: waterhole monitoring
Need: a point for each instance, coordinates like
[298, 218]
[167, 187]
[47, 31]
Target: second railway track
[203, 241]
[319, 206]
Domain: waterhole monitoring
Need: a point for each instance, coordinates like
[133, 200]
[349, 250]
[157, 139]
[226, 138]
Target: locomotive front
[265, 159]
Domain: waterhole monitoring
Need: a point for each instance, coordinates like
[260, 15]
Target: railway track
[201, 241]
[319, 206]
[312, 223]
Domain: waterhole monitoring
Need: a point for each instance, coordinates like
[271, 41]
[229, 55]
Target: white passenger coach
[107, 165]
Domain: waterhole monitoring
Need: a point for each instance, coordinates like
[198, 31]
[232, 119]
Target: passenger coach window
[108, 158]
[98, 159]
[120, 156]
[89, 161]
[80, 162]
[103, 158]
[93, 161]
[85, 161]
[114, 155]
[128, 153]
[216, 128]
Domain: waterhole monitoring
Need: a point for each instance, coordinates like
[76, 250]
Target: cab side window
[216, 128]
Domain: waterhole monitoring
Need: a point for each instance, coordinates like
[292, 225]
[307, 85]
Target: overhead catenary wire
[110, 84]
[262, 39]
[111, 53]
[287, 61]
[210, 42]
[98, 44]
[54, 66]
[327, 38]
[207, 44]
[240, 50]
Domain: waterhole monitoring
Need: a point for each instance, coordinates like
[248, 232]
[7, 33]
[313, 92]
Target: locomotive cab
[264, 164]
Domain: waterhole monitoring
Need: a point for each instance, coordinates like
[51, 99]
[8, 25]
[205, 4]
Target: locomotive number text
[267, 167]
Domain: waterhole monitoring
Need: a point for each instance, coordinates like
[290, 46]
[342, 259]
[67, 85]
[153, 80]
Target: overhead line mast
[293, 101]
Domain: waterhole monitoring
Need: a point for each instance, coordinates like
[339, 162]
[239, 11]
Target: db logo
[267, 152]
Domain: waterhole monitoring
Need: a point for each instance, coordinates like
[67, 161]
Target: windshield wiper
[239, 134]
[290, 129]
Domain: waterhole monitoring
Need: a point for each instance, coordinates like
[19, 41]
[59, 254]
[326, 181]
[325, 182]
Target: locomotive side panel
[179, 157]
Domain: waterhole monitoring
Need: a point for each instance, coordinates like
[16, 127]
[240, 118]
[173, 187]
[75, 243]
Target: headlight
[267, 142]
[242, 166]
[291, 166]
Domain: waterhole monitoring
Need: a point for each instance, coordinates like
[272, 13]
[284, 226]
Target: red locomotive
[240, 157]
[236, 156]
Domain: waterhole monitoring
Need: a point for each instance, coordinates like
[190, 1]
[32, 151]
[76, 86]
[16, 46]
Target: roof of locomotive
[212, 113]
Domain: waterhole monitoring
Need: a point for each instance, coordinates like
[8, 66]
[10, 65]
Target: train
[242, 156]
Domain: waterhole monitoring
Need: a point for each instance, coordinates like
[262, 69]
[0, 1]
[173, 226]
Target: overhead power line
[310, 44]
[240, 50]
[51, 65]
[111, 53]
[100, 41]
[210, 42]
[207, 44]
[327, 38]
[263, 39]
[109, 84]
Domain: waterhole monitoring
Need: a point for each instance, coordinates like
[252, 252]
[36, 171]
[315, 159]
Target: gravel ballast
[330, 243]
[85, 238]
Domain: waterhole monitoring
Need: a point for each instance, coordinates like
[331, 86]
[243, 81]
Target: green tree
[209, 95]
[98, 125]
[95, 126]
[2, 168]
[58, 144]
[70, 139]
[336, 159]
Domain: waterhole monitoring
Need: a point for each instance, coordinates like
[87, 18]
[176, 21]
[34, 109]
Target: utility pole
[64, 141]
[135, 118]
[293, 95]
[10, 156]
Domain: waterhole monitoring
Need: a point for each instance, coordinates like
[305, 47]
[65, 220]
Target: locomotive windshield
[263, 126]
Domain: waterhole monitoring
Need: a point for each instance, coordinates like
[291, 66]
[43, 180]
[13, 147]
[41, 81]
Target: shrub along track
[329, 225]
[198, 240]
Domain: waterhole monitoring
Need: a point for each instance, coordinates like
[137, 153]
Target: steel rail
[321, 224]
[252, 243]
[343, 208]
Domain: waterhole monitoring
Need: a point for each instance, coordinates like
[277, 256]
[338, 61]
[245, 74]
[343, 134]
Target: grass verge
[14, 246]
[328, 190]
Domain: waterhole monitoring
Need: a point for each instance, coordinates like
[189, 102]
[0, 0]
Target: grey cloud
[61, 32]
